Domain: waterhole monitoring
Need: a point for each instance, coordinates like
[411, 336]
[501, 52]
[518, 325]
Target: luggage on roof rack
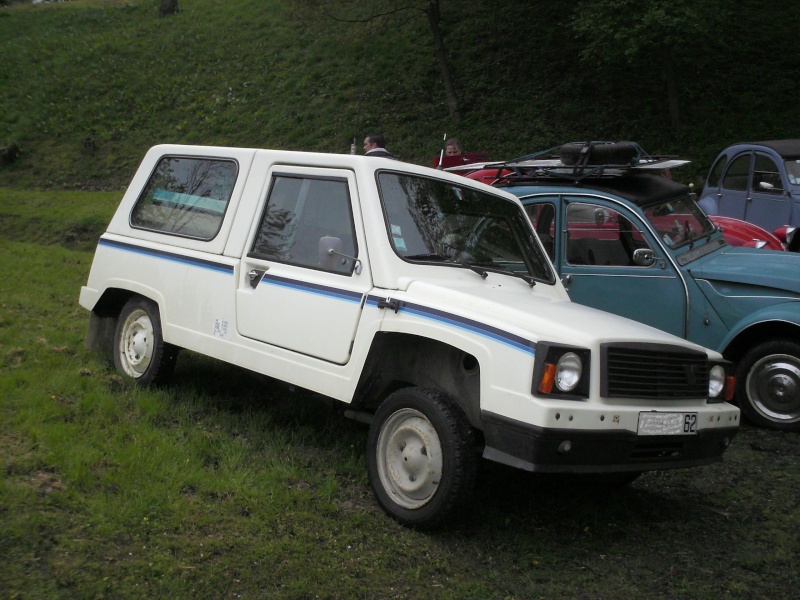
[577, 161]
[600, 153]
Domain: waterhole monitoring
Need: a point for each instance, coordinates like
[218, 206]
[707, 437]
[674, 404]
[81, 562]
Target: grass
[89, 85]
[225, 484]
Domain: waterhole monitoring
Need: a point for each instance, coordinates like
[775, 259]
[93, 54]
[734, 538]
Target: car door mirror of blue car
[765, 186]
[644, 257]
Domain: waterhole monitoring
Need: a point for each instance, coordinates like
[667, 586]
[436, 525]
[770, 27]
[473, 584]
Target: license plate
[667, 423]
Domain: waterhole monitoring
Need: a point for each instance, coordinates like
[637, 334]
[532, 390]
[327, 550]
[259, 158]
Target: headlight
[716, 381]
[721, 386]
[561, 371]
[568, 372]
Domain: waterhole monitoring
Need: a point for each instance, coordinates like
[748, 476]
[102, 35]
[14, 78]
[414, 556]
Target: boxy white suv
[420, 300]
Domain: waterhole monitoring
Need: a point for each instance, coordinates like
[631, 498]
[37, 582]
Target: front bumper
[549, 450]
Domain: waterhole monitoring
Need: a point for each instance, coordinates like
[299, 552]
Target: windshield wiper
[503, 269]
[432, 256]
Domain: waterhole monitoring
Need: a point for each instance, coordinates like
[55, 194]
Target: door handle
[255, 276]
[567, 279]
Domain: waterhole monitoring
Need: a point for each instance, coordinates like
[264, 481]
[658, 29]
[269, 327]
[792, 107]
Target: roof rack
[577, 161]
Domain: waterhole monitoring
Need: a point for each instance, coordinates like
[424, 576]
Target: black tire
[600, 153]
[140, 352]
[421, 432]
[768, 385]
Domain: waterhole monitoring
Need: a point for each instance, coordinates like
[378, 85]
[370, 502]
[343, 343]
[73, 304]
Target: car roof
[640, 189]
[786, 148]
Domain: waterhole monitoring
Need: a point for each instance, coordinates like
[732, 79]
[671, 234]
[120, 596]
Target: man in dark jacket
[375, 145]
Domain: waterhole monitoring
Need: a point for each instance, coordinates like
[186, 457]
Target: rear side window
[186, 196]
[716, 172]
[738, 174]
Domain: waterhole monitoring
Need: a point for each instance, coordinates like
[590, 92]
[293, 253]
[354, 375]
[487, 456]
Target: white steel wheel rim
[773, 386]
[409, 458]
[136, 344]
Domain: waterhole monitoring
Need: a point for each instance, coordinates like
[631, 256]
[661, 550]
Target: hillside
[87, 86]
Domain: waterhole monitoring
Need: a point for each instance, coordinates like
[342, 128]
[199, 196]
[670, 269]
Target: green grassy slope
[87, 86]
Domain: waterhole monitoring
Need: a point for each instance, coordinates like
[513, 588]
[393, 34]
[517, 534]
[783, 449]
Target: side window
[736, 177]
[766, 176]
[716, 171]
[299, 212]
[600, 236]
[186, 196]
[542, 217]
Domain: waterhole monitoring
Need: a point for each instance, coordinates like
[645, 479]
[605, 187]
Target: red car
[741, 233]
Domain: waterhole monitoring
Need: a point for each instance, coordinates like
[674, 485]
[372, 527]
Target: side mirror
[600, 216]
[331, 257]
[644, 257]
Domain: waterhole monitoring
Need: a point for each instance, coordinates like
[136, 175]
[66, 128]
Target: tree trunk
[447, 77]
[167, 8]
[672, 91]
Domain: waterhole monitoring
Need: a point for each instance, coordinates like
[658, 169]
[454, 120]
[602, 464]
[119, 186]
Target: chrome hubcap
[773, 386]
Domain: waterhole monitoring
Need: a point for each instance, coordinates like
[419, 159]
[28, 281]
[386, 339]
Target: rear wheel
[139, 348]
[420, 457]
[768, 385]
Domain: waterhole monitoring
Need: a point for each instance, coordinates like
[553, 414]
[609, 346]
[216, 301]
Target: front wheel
[768, 385]
[139, 348]
[420, 457]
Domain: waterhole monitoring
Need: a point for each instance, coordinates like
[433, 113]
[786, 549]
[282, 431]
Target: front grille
[653, 372]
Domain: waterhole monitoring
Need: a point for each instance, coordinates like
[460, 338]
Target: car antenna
[441, 153]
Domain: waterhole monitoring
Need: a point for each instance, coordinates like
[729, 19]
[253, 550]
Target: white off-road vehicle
[423, 302]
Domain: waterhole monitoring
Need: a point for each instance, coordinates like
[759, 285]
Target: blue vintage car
[757, 182]
[632, 242]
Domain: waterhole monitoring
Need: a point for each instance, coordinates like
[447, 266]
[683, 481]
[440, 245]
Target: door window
[542, 217]
[300, 211]
[766, 176]
[597, 235]
[716, 171]
[736, 177]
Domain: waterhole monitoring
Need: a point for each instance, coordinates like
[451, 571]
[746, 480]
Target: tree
[655, 33]
[167, 8]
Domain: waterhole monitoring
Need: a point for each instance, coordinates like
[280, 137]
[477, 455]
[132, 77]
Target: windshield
[793, 171]
[430, 220]
[679, 221]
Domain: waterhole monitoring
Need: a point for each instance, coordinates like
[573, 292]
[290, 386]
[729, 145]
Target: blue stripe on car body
[493, 333]
[171, 256]
[313, 288]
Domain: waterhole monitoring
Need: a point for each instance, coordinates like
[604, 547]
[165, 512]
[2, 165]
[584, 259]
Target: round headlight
[568, 372]
[716, 381]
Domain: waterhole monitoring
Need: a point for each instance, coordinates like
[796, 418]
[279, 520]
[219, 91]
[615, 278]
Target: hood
[509, 304]
[749, 266]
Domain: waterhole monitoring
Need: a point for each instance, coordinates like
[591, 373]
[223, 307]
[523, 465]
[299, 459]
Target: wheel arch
[104, 315]
[755, 333]
[398, 360]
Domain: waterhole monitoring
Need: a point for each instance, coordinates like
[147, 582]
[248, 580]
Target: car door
[768, 205]
[288, 295]
[597, 264]
[733, 189]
